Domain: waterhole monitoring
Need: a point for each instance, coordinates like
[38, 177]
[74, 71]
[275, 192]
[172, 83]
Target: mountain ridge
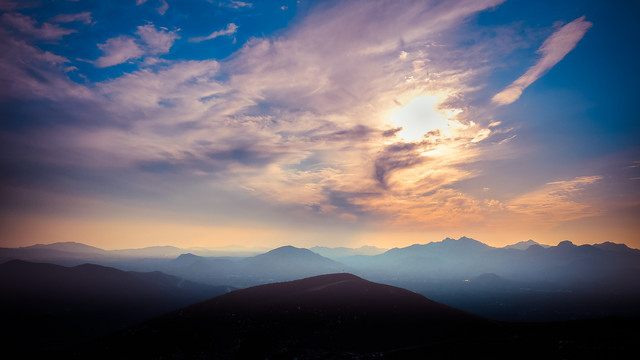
[333, 314]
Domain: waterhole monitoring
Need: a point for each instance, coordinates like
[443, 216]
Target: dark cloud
[356, 133]
[395, 157]
[244, 155]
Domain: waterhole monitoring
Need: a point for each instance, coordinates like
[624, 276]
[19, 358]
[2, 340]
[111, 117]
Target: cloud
[230, 29]
[164, 6]
[300, 121]
[235, 4]
[156, 41]
[554, 49]
[10, 5]
[121, 49]
[29, 26]
[84, 17]
[300, 117]
[28, 72]
[557, 201]
[117, 51]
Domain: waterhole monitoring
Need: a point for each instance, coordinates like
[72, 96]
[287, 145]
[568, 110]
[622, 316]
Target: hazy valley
[78, 293]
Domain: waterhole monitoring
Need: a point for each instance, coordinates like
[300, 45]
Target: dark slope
[341, 316]
[45, 307]
[324, 316]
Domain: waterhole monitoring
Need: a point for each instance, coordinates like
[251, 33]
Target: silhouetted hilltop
[70, 246]
[290, 263]
[338, 292]
[341, 316]
[524, 245]
[329, 315]
[281, 264]
[49, 306]
[73, 253]
[611, 246]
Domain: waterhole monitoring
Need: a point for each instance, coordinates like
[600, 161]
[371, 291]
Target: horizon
[241, 248]
[318, 123]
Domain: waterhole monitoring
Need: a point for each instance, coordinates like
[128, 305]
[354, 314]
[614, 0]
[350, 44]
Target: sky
[135, 123]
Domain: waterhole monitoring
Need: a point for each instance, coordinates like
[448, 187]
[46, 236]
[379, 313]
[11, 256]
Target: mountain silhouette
[524, 245]
[290, 263]
[342, 316]
[70, 246]
[333, 315]
[281, 264]
[48, 306]
[67, 253]
[561, 282]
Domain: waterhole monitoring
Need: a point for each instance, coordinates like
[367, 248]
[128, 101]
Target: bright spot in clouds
[219, 115]
[418, 117]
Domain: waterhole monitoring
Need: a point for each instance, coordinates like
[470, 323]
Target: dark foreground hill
[341, 316]
[45, 307]
[328, 314]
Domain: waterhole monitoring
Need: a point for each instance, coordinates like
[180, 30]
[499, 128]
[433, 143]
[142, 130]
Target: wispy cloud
[10, 5]
[164, 6]
[557, 201]
[234, 4]
[117, 51]
[157, 41]
[554, 49]
[230, 29]
[150, 41]
[28, 72]
[29, 26]
[84, 17]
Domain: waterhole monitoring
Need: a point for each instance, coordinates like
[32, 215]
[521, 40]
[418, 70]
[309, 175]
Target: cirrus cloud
[554, 49]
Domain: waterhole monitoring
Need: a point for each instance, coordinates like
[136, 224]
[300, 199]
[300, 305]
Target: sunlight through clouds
[355, 114]
[417, 118]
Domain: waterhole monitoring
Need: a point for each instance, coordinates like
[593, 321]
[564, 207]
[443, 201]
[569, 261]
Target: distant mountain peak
[524, 245]
[187, 258]
[464, 241]
[566, 244]
[291, 253]
[289, 249]
[68, 246]
[611, 246]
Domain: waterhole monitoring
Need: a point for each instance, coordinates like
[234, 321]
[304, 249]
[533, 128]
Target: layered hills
[524, 282]
[328, 316]
[45, 306]
[341, 316]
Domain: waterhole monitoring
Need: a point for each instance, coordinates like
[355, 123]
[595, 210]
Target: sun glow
[418, 117]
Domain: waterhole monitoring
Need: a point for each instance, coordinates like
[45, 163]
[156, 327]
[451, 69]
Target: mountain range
[46, 306]
[523, 282]
[341, 316]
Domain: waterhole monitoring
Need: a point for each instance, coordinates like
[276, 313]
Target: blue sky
[336, 123]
